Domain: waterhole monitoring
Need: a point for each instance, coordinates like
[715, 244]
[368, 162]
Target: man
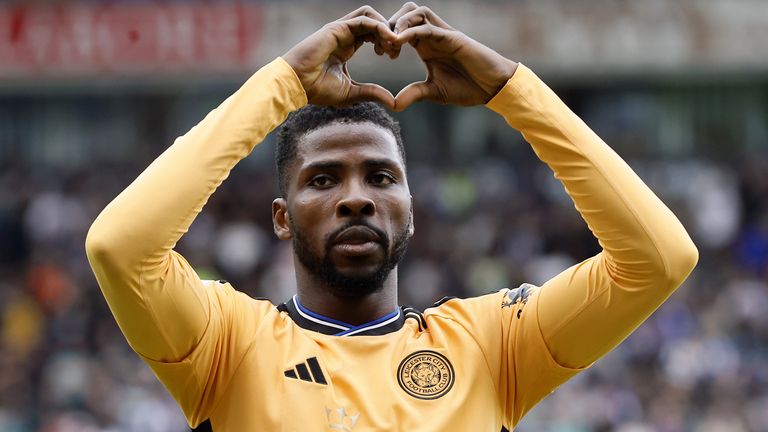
[341, 354]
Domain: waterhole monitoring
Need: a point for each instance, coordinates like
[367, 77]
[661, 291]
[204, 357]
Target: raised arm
[167, 314]
[588, 309]
[156, 298]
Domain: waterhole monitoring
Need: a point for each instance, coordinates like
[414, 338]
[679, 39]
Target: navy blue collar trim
[309, 320]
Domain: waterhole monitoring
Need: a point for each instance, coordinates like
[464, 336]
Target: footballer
[342, 354]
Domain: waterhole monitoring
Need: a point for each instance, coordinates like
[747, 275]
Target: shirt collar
[309, 320]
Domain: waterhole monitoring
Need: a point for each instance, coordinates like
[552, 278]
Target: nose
[355, 203]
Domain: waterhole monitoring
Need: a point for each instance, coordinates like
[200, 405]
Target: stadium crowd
[699, 363]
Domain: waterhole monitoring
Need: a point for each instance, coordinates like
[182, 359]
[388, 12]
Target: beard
[339, 284]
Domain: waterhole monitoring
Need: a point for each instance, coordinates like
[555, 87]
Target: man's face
[349, 206]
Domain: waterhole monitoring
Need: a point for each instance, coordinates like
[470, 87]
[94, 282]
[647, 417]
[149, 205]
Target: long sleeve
[591, 307]
[160, 304]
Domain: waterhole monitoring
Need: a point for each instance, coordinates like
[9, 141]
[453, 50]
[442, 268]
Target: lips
[357, 235]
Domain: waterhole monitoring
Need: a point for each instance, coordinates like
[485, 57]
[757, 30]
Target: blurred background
[92, 91]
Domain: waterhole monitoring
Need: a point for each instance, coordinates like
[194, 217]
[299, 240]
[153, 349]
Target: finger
[358, 44]
[394, 51]
[368, 11]
[407, 7]
[365, 11]
[427, 31]
[378, 47]
[418, 16]
[433, 18]
[403, 10]
[370, 38]
[363, 26]
[370, 92]
[413, 93]
[411, 19]
[348, 35]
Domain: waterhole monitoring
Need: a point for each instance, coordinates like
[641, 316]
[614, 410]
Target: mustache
[331, 237]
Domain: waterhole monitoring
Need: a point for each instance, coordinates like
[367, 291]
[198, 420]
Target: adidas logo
[302, 372]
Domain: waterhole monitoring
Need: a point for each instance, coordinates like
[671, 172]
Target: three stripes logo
[309, 371]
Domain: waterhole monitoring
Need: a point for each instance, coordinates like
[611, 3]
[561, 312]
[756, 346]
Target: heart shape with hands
[460, 70]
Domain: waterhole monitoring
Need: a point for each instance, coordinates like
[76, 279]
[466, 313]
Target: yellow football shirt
[238, 364]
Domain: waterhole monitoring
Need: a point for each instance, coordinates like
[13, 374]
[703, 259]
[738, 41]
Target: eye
[321, 181]
[382, 178]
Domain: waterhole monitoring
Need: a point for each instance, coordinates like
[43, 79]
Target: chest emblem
[425, 375]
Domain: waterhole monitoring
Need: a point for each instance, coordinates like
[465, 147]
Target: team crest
[425, 375]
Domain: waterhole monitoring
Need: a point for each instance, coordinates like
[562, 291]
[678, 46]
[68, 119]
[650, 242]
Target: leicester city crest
[425, 375]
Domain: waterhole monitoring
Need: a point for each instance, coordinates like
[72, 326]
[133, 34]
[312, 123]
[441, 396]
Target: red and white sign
[127, 39]
[177, 39]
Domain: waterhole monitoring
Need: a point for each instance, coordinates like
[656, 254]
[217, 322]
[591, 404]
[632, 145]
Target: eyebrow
[335, 164]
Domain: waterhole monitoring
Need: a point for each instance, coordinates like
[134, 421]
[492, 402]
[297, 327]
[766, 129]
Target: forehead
[347, 141]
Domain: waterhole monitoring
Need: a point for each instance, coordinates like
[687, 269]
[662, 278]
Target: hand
[460, 70]
[320, 60]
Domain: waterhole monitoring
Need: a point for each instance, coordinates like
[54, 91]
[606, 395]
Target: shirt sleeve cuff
[510, 93]
[288, 89]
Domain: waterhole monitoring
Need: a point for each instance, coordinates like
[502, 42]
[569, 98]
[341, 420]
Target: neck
[318, 298]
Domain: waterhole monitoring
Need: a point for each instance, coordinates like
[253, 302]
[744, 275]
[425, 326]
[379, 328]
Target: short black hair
[312, 117]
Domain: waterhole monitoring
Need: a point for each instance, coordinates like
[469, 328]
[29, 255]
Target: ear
[281, 220]
[411, 228]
